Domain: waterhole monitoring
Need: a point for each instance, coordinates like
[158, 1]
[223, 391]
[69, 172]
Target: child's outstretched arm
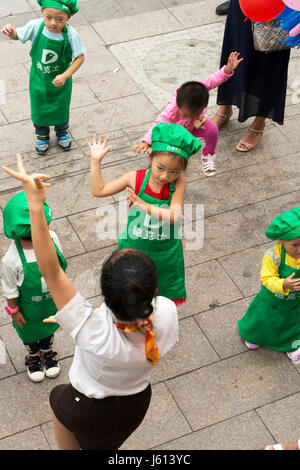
[10, 31]
[170, 215]
[61, 79]
[222, 75]
[61, 288]
[99, 187]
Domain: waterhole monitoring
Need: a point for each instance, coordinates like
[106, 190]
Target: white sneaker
[51, 364]
[35, 370]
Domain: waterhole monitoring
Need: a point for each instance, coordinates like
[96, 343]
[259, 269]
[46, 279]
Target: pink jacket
[171, 114]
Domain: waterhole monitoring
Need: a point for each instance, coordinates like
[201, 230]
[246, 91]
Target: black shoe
[223, 8]
[35, 370]
[52, 367]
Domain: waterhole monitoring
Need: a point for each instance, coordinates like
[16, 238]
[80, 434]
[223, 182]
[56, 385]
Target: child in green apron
[54, 46]
[157, 197]
[273, 317]
[28, 298]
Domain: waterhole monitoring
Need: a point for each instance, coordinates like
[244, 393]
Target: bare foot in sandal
[252, 136]
[222, 116]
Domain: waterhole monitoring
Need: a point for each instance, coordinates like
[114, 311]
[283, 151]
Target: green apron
[35, 301]
[273, 320]
[160, 241]
[50, 105]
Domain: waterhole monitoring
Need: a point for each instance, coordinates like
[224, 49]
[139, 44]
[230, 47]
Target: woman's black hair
[192, 95]
[129, 283]
[182, 160]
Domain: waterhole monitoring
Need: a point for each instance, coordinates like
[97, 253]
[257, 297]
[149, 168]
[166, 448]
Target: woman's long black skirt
[258, 87]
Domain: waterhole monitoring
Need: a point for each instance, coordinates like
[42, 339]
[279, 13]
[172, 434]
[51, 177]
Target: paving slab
[164, 420]
[234, 386]
[203, 288]
[281, 419]
[20, 414]
[223, 234]
[158, 63]
[220, 327]
[196, 14]
[33, 439]
[192, 351]
[12, 8]
[244, 268]
[244, 432]
[137, 26]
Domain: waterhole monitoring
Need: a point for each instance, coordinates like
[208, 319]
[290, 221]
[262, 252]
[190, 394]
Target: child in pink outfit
[187, 107]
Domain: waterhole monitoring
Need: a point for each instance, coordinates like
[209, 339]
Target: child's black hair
[193, 96]
[182, 160]
[27, 239]
[129, 283]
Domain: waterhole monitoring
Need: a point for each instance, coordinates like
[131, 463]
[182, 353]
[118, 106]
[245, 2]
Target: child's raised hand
[9, 31]
[233, 62]
[292, 284]
[141, 148]
[33, 185]
[98, 149]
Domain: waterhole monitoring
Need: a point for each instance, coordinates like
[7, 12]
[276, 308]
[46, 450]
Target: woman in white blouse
[116, 345]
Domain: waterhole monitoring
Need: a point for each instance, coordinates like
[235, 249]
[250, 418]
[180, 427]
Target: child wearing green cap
[273, 317]
[156, 196]
[28, 298]
[57, 53]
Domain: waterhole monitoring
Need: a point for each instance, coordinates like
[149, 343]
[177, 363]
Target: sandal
[224, 118]
[250, 146]
[208, 165]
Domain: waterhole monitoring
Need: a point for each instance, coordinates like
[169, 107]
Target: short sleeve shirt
[30, 30]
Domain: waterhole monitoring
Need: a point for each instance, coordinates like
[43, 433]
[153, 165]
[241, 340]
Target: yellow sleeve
[269, 272]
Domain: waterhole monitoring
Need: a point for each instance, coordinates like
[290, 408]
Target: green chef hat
[174, 138]
[68, 6]
[285, 226]
[16, 217]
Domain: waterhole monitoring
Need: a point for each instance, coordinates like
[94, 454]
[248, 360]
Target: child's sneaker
[251, 346]
[52, 367]
[294, 356]
[35, 370]
[41, 146]
[65, 142]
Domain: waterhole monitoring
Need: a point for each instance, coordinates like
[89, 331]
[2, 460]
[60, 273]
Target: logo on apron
[53, 56]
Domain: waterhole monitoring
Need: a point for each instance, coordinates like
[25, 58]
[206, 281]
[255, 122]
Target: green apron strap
[283, 253]
[145, 182]
[21, 252]
[35, 43]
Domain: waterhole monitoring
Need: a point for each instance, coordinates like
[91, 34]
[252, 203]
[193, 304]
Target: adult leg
[64, 438]
[253, 135]
[222, 116]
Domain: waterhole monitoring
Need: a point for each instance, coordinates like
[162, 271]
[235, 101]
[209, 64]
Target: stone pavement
[210, 392]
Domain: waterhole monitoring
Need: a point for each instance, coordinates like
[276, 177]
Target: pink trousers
[209, 132]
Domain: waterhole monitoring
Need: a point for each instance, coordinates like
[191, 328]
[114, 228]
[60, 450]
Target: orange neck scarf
[151, 349]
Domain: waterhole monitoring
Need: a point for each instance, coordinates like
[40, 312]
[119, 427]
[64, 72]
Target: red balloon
[261, 10]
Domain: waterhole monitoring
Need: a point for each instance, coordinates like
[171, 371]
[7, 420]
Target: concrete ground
[210, 392]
